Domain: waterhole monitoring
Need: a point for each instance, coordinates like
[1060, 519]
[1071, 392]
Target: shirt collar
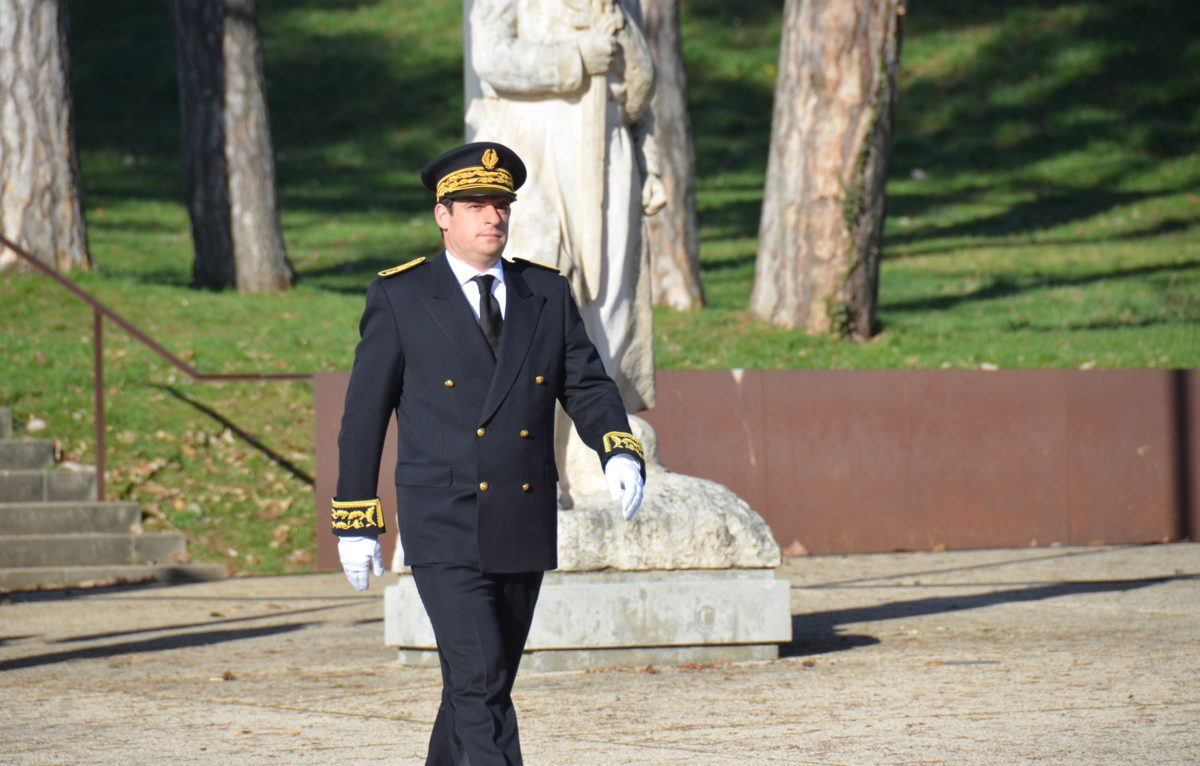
[464, 273]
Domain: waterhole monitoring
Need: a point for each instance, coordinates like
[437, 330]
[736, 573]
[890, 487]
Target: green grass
[1043, 193]
[1043, 200]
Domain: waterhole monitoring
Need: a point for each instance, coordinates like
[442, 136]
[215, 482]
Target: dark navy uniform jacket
[475, 472]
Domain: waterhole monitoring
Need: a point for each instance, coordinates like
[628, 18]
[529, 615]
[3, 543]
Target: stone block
[70, 485]
[614, 618]
[91, 549]
[65, 550]
[37, 518]
[690, 579]
[26, 453]
[159, 548]
[95, 576]
[22, 485]
[562, 660]
[685, 522]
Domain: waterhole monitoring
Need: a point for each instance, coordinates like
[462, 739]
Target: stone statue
[567, 85]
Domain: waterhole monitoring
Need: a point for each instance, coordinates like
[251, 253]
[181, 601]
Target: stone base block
[631, 619]
[556, 660]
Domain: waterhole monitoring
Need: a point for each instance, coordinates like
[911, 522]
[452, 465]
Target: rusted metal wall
[882, 460]
[329, 394]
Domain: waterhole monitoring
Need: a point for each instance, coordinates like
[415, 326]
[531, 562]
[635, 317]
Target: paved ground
[1058, 656]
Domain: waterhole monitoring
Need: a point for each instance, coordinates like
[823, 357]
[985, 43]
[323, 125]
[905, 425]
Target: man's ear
[440, 214]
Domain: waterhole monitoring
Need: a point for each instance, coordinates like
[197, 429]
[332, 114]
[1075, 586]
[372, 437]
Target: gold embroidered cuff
[619, 441]
[358, 517]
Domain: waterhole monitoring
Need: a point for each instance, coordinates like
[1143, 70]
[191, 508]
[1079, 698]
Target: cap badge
[491, 159]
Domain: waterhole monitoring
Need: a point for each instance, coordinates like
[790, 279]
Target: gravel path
[1057, 656]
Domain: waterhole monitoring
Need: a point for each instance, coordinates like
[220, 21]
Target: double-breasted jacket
[475, 473]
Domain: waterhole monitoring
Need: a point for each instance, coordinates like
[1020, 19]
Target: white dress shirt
[464, 273]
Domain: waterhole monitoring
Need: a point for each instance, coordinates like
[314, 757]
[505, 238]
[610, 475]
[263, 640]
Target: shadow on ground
[822, 632]
[159, 644]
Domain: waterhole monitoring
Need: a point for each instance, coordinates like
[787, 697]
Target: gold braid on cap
[475, 178]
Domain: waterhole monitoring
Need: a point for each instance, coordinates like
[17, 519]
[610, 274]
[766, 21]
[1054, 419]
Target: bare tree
[40, 204]
[823, 209]
[227, 153]
[672, 234]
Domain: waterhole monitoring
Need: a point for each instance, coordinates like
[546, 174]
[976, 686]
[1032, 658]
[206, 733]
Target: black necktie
[489, 311]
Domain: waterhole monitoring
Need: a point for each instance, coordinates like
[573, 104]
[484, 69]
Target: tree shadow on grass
[1048, 81]
[354, 112]
[348, 278]
[1054, 205]
[1165, 227]
[713, 266]
[337, 103]
[1038, 90]
[1004, 286]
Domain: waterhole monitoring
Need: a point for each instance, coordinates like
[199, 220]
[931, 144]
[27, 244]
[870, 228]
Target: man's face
[475, 229]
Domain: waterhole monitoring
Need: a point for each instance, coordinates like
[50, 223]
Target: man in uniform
[471, 353]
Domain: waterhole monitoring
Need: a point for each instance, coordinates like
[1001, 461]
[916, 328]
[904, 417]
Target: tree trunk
[823, 205]
[227, 155]
[40, 204]
[200, 64]
[672, 233]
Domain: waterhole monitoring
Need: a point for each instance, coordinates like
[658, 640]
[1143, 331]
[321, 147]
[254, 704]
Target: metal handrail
[99, 312]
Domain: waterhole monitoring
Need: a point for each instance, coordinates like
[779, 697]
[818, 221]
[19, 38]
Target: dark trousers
[480, 622]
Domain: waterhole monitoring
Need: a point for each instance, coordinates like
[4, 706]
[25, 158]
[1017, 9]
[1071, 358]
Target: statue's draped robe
[527, 88]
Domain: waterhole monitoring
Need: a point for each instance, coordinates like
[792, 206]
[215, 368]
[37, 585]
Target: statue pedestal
[633, 619]
[691, 579]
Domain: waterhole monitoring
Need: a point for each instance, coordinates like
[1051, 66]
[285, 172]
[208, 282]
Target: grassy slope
[1043, 204]
[1042, 197]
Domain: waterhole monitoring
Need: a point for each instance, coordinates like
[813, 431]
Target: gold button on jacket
[483, 486]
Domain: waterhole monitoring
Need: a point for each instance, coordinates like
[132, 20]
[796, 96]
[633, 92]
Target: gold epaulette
[402, 267]
[535, 263]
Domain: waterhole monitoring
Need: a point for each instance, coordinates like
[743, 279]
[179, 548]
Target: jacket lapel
[521, 313]
[445, 301]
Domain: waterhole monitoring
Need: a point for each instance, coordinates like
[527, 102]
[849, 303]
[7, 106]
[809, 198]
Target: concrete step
[54, 533]
[52, 518]
[36, 485]
[26, 453]
[29, 578]
[92, 549]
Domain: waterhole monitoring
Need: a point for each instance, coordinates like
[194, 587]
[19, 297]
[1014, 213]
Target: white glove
[358, 555]
[624, 483]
